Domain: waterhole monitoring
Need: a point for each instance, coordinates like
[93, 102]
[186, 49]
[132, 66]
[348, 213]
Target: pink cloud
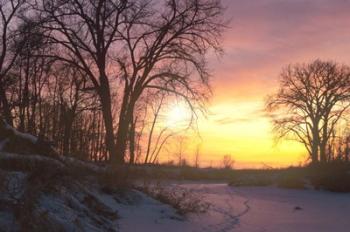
[266, 35]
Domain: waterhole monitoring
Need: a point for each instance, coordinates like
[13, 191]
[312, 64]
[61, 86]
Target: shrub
[333, 176]
[183, 200]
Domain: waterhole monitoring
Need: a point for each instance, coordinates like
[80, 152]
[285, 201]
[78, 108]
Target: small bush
[181, 199]
[116, 178]
[253, 178]
[292, 182]
[333, 176]
[330, 176]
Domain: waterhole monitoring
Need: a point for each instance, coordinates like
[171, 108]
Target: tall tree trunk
[105, 97]
[315, 146]
[5, 105]
[125, 119]
[122, 135]
[155, 118]
[324, 142]
[323, 150]
[132, 141]
[323, 153]
[68, 124]
[150, 137]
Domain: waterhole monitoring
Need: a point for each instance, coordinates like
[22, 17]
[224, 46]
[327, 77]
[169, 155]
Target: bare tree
[339, 145]
[29, 71]
[311, 101]
[73, 101]
[156, 111]
[156, 46]
[227, 162]
[165, 48]
[160, 134]
[197, 156]
[85, 33]
[8, 13]
[181, 146]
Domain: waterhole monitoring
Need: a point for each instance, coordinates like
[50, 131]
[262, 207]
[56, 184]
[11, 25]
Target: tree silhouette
[164, 49]
[311, 100]
[8, 13]
[85, 33]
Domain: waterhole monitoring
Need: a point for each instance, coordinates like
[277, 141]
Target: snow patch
[26, 136]
[8, 221]
[30, 158]
[145, 214]
[81, 164]
[3, 143]
[13, 185]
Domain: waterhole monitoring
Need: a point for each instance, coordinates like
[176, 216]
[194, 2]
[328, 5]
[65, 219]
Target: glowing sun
[179, 114]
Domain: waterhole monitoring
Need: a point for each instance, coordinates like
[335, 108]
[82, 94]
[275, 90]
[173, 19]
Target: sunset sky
[263, 37]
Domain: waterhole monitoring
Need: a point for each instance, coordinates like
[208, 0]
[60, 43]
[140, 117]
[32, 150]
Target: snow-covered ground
[248, 209]
[82, 205]
[85, 206]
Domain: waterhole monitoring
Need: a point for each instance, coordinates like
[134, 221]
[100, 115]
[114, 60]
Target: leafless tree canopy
[84, 68]
[228, 162]
[165, 50]
[311, 101]
[8, 14]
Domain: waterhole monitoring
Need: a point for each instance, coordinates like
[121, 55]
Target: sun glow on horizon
[257, 47]
[238, 128]
[178, 115]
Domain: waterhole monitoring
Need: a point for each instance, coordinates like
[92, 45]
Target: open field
[332, 177]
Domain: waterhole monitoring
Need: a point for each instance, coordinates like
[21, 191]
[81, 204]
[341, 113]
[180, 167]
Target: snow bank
[37, 202]
[28, 163]
[8, 221]
[13, 141]
[142, 213]
[76, 210]
[25, 136]
[12, 185]
[79, 164]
